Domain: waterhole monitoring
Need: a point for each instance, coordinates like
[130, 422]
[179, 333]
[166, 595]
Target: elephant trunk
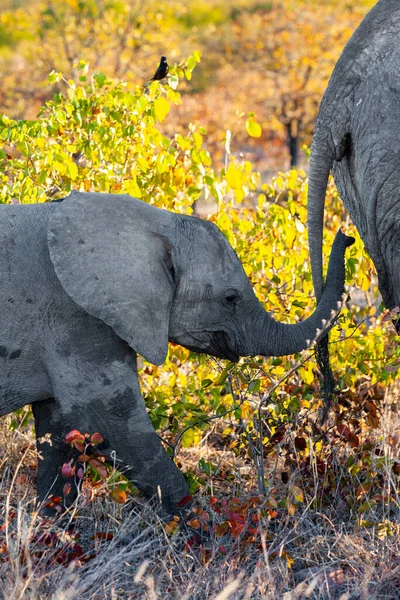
[279, 339]
[320, 166]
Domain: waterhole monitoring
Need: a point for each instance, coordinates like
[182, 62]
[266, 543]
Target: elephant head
[154, 276]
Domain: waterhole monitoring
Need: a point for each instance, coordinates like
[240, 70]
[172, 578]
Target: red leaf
[53, 502]
[300, 443]
[73, 436]
[236, 529]
[354, 440]
[350, 437]
[100, 467]
[66, 489]
[83, 458]
[220, 530]
[96, 438]
[278, 435]
[371, 409]
[191, 543]
[102, 535]
[68, 470]
[344, 431]
[184, 501]
[236, 517]
[255, 501]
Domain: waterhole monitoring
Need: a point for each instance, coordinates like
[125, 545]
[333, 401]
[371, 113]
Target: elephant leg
[53, 452]
[134, 448]
[140, 457]
[108, 400]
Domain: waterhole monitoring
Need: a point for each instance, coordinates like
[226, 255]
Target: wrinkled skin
[357, 136]
[89, 282]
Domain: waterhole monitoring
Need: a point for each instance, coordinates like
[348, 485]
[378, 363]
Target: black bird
[162, 70]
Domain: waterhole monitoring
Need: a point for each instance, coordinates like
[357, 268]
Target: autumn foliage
[195, 143]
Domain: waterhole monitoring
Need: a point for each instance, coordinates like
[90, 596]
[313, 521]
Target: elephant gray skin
[357, 136]
[89, 282]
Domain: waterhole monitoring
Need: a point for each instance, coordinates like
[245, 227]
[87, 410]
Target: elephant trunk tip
[346, 240]
[282, 339]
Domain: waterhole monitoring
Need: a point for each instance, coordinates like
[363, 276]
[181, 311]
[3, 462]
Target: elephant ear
[113, 257]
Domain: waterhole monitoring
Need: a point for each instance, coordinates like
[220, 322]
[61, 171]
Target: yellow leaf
[297, 493]
[72, 170]
[161, 108]
[191, 437]
[307, 373]
[197, 55]
[233, 177]
[253, 128]
[246, 410]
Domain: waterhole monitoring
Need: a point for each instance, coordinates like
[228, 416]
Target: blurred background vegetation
[271, 57]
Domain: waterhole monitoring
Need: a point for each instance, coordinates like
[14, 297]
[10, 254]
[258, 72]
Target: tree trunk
[292, 130]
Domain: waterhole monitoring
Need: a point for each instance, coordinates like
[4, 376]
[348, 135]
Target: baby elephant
[89, 283]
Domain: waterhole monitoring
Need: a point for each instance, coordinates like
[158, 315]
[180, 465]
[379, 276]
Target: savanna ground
[283, 507]
[235, 543]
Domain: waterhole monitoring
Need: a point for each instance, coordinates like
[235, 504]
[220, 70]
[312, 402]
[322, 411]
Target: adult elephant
[357, 136]
[88, 283]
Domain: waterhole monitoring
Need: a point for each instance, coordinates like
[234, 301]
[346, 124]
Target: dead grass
[317, 553]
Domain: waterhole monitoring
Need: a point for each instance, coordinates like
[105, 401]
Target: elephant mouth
[215, 343]
[221, 347]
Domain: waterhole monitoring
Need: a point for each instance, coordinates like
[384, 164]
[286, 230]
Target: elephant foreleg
[108, 401]
[53, 452]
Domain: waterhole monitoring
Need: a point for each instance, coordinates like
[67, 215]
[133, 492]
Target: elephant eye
[231, 298]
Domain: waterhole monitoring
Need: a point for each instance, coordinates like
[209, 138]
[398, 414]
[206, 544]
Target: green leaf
[206, 382]
[100, 79]
[366, 506]
[254, 386]
[54, 77]
[42, 176]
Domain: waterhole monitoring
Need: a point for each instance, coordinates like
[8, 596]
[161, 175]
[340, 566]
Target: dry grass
[316, 554]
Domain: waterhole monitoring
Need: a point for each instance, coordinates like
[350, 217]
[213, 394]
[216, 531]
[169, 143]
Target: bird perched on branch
[162, 70]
